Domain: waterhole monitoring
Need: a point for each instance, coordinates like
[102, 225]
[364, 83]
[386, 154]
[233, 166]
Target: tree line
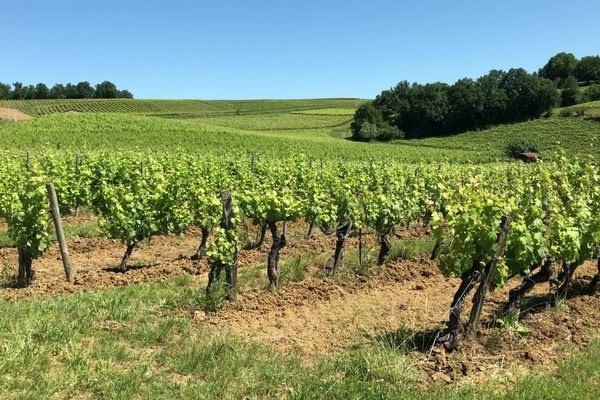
[81, 90]
[570, 74]
[436, 109]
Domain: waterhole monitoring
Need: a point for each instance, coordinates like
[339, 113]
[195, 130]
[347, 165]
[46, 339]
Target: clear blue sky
[283, 49]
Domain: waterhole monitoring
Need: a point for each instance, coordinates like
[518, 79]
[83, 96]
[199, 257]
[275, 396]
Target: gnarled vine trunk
[261, 239]
[126, 256]
[25, 273]
[202, 247]
[342, 233]
[513, 308]
[456, 329]
[279, 242]
[385, 247]
[596, 280]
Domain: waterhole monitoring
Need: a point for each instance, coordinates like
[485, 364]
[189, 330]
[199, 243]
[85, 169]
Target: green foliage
[593, 92]
[518, 147]
[570, 92]
[559, 67]
[588, 69]
[438, 109]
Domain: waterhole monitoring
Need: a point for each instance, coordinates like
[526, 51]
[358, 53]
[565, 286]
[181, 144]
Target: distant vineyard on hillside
[180, 108]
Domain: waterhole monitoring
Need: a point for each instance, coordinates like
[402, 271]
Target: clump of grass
[214, 300]
[405, 249]
[296, 268]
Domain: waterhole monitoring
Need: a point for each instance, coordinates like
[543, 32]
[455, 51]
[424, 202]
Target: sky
[257, 49]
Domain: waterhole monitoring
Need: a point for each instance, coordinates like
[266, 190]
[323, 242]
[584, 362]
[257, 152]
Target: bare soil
[13, 115]
[402, 304]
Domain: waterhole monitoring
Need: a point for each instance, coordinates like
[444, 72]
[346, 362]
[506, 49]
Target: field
[147, 172]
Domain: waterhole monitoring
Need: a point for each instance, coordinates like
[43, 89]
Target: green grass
[140, 341]
[590, 109]
[575, 135]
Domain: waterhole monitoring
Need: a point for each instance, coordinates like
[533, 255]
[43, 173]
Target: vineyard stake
[60, 235]
[484, 286]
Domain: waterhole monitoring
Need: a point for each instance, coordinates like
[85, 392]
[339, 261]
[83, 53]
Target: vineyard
[179, 108]
[427, 256]
[553, 211]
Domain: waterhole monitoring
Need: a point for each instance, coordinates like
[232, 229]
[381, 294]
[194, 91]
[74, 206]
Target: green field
[143, 340]
[139, 342]
[287, 133]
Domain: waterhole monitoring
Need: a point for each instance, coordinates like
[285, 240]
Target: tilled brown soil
[13, 115]
[402, 304]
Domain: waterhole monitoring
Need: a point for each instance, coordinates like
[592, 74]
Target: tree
[529, 96]
[106, 90]
[29, 92]
[429, 108]
[84, 90]
[394, 103]
[593, 92]
[124, 94]
[365, 113]
[495, 100]
[588, 69]
[570, 92]
[71, 91]
[41, 91]
[466, 99]
[17, 93]
[559, 67]
[4, 91]
[58, 91]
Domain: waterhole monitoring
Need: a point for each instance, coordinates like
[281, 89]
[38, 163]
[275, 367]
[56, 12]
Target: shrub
[516, 148]
[593, 92]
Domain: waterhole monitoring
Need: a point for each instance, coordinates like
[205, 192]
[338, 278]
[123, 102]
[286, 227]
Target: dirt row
[403, 304]
[13, 115]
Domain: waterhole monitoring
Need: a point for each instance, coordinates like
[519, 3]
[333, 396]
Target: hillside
[284, 134]
[179, 108]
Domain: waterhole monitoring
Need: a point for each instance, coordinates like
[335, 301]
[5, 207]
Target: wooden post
[484, 286]
[27, 161]
[64, 252]
[252, 161]
[360, 247]
[77, 163]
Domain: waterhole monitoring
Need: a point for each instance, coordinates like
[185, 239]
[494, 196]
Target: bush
[516, 148]
[570, 92]
[593, 92]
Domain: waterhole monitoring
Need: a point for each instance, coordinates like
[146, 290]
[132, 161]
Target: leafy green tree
[429, 110]
[29, 92]
[394, 103]
[106, 90]
[41, 91]
[365, 113]
[71, 91]
[124, 94]
[559, 67]
[529, 96]
[466, 100]
[570, 92]
[593, 93]
[588, 69]
[58, 91]
[84, 90]
[4, 91]
[495, 100]
[17, 93]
